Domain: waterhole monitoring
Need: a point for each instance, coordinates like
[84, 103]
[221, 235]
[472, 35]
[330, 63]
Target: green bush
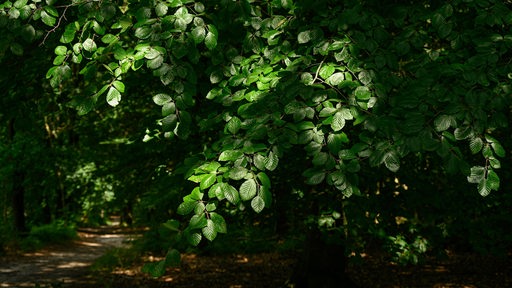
[54, 233]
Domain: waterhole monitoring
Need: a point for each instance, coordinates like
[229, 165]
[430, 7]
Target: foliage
[349, 91]
[54, 233]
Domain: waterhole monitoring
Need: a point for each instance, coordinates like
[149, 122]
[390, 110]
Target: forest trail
[62, 265]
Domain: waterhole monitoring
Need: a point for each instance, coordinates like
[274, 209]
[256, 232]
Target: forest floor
[69, 266]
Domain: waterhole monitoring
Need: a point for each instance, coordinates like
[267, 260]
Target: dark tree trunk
[18, 202]
[322, 264]
[18, 190]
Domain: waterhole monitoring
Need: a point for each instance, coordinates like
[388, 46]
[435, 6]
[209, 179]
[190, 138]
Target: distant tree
[355, 85]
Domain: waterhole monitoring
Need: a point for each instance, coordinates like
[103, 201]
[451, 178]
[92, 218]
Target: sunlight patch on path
[66, 264]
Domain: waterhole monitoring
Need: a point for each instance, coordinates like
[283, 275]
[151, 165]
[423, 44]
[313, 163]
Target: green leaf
[314, 177]
[477, 174]
[257, 204]
[169, 122]
[168, 109]
[320, 159]
[113, 97]
[248, 189]
[230, 193]
[198, 34]
[119, 86]
[498, 149]
[493, 180]
[58, 60]
[109, 38]
[47, 18]
[20, 3]
[208, 181]
[89, 45]
[173, 258]
[216, 191]
[305, 37]
[61, 50]
[193, 238]
[443, 122]
[143, 32]
[266, 195]
[271, 161]
[100, 30]
[462, 133]
[210, 167]
[392, 161]
[161, 9]
[186, 207]
[338, 121]
[197, 221]
[209, 230]
[326, 112]
[476, 144]
[264, 179]
[484, 188]
[326, 71]
[156, 62]
[238, 173]
[362, 93]
[155, 269]
[211, 37]
[234, 124]
[161, 99]
[259, 161]
[219, 222]
[336, 79]
[335, 142]
[230, 155]
[495, 163]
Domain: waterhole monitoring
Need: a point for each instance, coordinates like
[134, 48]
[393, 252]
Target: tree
[356, 85]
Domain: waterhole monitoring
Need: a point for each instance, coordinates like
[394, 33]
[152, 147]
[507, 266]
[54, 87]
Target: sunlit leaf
[230, 155]
[119, 86]
[257, 204]
[248, 189]
[230, 193]
[210, 39]
[113, 97]
[89, 45]
[392, 161]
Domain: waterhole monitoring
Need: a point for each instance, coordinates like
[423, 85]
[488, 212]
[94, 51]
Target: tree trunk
[18, 201]
[18, 190]
[322, 264]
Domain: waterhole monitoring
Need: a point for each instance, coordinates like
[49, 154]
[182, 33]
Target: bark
[18, 190]
[18, 202]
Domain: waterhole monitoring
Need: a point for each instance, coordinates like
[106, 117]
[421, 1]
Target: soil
[68, 266]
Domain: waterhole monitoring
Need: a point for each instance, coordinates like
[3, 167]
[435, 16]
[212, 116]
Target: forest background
[377, 125]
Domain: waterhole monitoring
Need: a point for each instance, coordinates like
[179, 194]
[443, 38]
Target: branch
[57, 25]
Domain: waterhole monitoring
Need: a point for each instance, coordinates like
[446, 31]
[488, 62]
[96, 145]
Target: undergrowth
[49, 234]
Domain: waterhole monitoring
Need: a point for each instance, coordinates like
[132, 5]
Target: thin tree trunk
[18, 190]
[18, 201]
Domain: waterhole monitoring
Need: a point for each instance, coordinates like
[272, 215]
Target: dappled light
[244, 143]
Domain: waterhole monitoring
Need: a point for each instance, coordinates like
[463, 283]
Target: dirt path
[61, 266]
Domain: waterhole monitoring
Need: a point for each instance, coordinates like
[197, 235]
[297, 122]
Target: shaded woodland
[322, 135]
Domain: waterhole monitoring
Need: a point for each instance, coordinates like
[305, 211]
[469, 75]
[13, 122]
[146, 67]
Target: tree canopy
[235, 94]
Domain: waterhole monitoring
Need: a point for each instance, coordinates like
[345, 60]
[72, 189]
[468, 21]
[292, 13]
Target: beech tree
[354, 85]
